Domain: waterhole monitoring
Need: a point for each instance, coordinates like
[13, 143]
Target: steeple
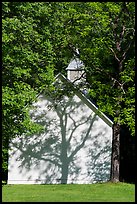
[75, 70]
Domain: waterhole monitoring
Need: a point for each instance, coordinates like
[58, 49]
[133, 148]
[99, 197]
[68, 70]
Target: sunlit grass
[105, 192]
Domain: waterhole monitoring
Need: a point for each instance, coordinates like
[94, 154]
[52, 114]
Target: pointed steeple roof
[75, 63]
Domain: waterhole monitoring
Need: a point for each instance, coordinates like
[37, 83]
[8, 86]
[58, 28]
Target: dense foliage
[39, 39]
[105, 36]
[104, 33]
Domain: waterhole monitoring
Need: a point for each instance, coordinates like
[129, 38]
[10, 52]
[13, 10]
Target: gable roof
[86, 100]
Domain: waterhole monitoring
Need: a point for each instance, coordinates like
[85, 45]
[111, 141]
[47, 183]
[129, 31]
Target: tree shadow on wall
[101, 167]
[70, 136]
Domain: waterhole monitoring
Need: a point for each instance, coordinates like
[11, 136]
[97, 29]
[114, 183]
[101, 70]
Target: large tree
[104, 33]
[28, 64]
[40, 38]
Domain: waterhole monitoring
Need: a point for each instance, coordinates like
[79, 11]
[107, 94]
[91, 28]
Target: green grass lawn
[105, 192]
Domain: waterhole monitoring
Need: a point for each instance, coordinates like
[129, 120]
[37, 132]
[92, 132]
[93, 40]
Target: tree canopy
[104, 33]
[39, 39]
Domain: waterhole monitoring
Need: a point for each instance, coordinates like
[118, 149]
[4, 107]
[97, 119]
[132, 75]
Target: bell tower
[75, 70]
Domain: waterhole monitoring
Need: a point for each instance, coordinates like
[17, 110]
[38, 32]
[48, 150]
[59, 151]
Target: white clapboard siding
[75, 147]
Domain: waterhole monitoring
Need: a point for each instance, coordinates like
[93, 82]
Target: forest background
[38, 41]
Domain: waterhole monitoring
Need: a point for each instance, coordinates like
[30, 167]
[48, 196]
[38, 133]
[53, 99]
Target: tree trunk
[115, 162]
[64, 176]
[65, 164]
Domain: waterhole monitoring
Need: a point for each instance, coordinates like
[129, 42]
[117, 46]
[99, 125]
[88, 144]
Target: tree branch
[76, 126]
[112, 78]
[84, 140]
[51, 161]
[115, 54]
